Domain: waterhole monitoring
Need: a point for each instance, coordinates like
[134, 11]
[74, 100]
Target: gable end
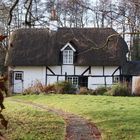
[68, 45]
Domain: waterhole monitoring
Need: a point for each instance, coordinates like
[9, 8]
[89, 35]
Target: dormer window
[68, 54]
[68, 57]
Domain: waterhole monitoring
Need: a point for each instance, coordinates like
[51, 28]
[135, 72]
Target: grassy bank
[117, 117]
[28, 123]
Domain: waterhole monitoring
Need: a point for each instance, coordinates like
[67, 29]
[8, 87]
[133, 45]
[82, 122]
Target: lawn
[28, 123]
[118, 118]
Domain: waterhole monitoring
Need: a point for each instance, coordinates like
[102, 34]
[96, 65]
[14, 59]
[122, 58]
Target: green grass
[28, 123]
[118, 118]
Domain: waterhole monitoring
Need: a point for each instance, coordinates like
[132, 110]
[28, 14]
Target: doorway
[18, 81]
[83, 81]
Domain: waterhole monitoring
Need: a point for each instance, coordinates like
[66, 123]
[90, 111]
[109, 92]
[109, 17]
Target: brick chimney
[53, 20]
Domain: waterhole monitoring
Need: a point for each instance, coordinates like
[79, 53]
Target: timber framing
[50, 70]
[88, 69]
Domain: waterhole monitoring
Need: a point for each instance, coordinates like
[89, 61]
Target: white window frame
[68, 57]
[68, 54]
[73, 80]
[18, 76]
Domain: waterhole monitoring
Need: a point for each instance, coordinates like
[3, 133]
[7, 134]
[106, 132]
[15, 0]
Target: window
[68, 53]
[73, 80]
[116, 79]
[68, 57]
[18, 76]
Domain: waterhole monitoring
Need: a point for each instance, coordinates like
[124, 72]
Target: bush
[100, 90]
[83, 91]
[119, 90]
[97, 91]
[49, 89]
[28, 91]
[37, 88]
[64, 87]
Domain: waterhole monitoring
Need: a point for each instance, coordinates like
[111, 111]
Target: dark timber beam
[51, 70]
[88, 69]
[115, 70]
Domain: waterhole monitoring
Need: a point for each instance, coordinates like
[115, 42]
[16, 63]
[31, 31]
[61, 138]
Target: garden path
[77, 128]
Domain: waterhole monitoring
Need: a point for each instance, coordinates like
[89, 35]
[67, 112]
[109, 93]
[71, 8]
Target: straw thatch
[40, 47]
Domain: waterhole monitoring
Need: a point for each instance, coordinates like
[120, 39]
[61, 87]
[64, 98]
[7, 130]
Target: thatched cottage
[83, 56]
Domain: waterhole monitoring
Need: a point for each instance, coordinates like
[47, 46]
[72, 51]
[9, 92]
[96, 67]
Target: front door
[83, 81]
[18, 81]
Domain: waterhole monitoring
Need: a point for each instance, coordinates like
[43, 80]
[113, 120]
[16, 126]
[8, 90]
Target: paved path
[77, 128]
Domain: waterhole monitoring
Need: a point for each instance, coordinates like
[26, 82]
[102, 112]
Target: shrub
[37, 88]
[64, 87]
[100, 90]
[97, 91]
[49, 89]
[119, 90]
[29, 90]
[83, 91]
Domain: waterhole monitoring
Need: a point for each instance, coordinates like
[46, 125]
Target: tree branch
[28, 8]
[11, 11]
[106, 43]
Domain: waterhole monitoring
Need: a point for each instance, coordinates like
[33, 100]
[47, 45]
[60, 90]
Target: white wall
[61, 78]
[97, 70]
[55, 69]
[135, 83]
[108, 70]
[94, 82]
[31, 74]
[108, 80]
[51, 80]
[80, 69]
[69, 69]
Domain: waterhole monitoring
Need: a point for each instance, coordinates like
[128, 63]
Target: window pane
[18, 76]
[116, 79]
[73, 80]
[68, 57]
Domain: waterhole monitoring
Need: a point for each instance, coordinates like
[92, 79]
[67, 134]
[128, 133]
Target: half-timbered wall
[96, 75]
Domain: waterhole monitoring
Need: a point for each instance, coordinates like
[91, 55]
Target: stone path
[77, 128]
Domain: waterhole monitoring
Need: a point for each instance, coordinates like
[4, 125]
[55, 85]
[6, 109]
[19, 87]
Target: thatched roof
[131, 68]
[40, 47]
